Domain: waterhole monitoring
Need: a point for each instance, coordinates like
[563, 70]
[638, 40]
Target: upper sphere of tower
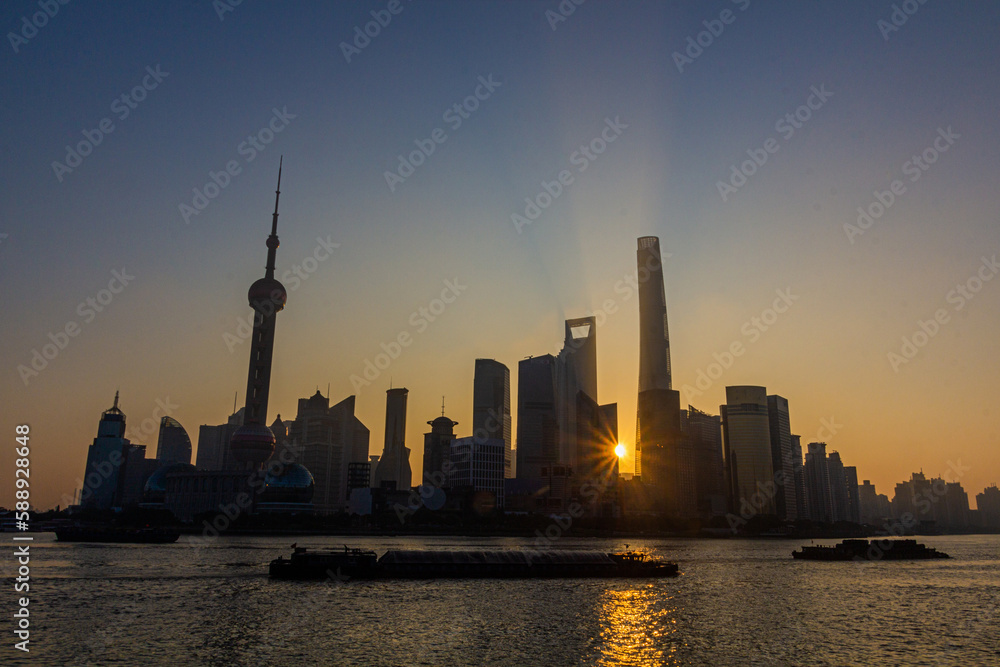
[267, 292]
[272, 242]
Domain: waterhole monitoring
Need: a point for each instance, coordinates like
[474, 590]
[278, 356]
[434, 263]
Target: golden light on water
[620, 450]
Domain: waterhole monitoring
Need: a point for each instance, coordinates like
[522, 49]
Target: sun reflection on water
[638, 627]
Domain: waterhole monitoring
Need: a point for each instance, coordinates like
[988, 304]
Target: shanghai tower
[253, 442]
[658, 424]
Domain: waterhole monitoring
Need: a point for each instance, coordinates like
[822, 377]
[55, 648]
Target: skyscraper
[393, 468]
[786, 503]
[654, 337]
[326, 440]
[491, 406]
[173, 444]
[253, 442]
[537, 421]
[798, 473]
[838, 487]
[703, 435]
[105, 458]
[746, 438]
[661, 459]
[817, 475]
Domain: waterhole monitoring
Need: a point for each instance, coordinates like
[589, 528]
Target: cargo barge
[870, 551]
[117, 535]
[451, 564]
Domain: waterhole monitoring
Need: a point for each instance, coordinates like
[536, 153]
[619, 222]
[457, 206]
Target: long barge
[467, 564]
[870, 551]
[117, 535]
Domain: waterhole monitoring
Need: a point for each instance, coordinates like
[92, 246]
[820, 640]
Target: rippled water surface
[737, 603]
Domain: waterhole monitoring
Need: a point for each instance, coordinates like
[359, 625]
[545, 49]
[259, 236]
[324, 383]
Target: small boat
[870, 551]
[452, 564]
[117, 534]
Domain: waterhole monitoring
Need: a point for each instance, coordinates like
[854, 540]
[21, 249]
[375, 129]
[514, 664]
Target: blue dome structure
[293, 484]
[155, 490]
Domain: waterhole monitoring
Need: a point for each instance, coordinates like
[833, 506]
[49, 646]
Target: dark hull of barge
[414, 564]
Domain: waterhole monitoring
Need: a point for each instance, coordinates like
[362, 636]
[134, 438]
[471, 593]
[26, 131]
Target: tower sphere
[252, 443]
[267, 293]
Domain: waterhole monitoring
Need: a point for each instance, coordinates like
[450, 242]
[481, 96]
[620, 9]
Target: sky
[141, 144]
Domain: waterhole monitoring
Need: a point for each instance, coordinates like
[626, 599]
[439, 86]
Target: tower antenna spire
[442, 406]
[272, 240]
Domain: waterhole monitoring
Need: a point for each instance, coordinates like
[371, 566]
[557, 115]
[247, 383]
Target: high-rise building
[537, 419]
[786, 502]
[838, 487]
[327, 440]
[747, 444]
[576, 374]
[253, 442]
[817, 475]
[105, 458]
[798, 473]
[437, 448]
[173, 444]
[491, 406]
[213, 444]
[874, 507]
[703, 433]
[853, 494]
[988, 505]
[393, 469]
[478, 465]
[657, 413]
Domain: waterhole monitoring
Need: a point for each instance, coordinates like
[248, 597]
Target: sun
[620, 450]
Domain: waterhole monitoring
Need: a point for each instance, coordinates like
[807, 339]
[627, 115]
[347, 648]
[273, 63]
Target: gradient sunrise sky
[214, 78]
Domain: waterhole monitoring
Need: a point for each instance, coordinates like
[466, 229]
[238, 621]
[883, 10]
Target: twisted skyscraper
[658, 422]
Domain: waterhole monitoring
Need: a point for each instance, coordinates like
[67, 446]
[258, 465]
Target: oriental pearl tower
[253, 442]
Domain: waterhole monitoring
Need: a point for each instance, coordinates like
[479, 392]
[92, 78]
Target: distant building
[703, 432]
[853, 494]
[491, 406]
[874, 507]
[817, 477]
[537, 421]
[932, 503]
[105, 458]
[173, 444]
[747, 444]
[798, 471]
[838, 488]
[393, 471]
[327, 440]
[786, 502]
[213, 445]
[988, 505]
[437, 449]
[479, 466]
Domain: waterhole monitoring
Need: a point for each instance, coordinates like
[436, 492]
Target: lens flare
[620, 450]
